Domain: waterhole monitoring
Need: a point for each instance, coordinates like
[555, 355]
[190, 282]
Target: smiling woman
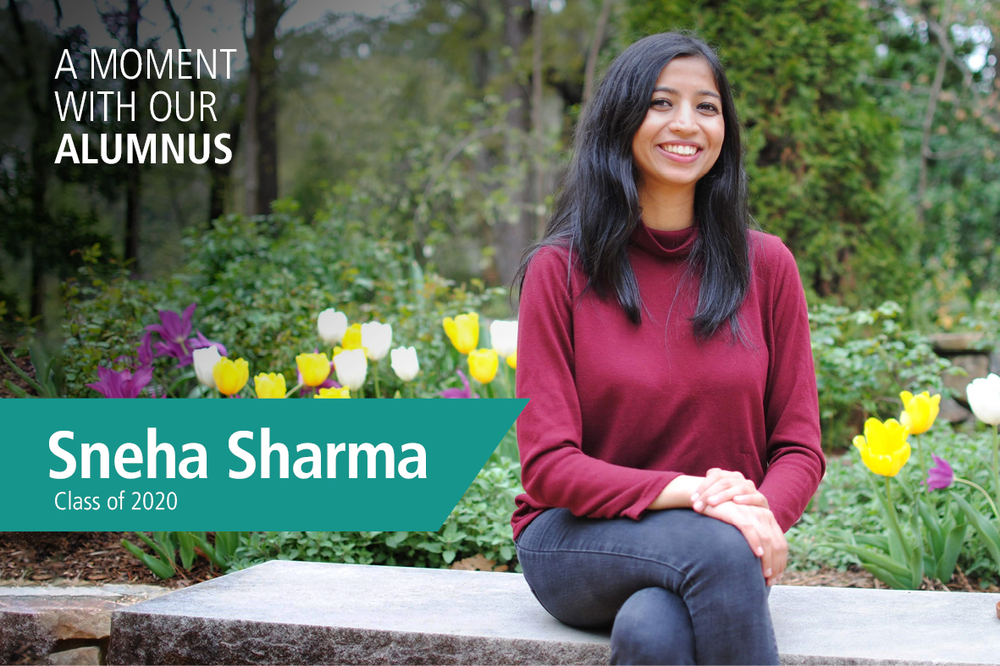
[672, 430]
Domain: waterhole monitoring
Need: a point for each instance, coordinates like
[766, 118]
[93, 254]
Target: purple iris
[465, 392]
[941, 475]
[175, 331]
[122, 383]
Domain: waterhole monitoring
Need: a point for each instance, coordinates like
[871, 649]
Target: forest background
[445, 126]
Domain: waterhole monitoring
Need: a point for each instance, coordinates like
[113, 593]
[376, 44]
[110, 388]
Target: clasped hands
[734, 499]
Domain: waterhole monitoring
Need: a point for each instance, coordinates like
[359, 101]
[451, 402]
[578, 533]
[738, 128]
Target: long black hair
[597, 210]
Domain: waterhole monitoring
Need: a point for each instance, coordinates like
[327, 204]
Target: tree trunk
[595, 50]
[218, 174]
[41, 156]
[133, 179]
[515, 234]
[262, 107]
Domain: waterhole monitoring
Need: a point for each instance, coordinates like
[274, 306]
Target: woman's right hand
[720, 485]
[761, 531]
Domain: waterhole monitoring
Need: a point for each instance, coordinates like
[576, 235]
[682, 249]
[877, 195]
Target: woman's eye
[661, 103]
[708, 107]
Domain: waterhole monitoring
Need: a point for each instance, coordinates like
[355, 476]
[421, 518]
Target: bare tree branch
[536, 112]
[941, 34]
[925, 139]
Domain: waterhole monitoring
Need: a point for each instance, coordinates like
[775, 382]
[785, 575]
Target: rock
[85, 656]
[976, 365]
[952, 412]
[22, 638]
[66, 618]
[33, 620]
[955, 343]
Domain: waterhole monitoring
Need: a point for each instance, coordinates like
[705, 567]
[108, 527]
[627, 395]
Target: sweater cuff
[649, 494]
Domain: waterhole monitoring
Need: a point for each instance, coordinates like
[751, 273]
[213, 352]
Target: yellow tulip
[483, 365]
[230, 376]
[352, 337]
[463, 331]
[342, 392]
[314, 368]
[919, 411]
[512, 361]
[270, 385]
[884, 449]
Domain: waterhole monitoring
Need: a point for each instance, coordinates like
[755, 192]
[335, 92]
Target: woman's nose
[682, 120]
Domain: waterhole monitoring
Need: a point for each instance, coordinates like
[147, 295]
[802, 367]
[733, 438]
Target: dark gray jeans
[676, 587]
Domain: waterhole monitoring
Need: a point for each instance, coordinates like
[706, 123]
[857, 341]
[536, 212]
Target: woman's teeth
[680, 150]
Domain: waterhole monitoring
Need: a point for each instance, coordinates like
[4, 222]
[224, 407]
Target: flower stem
[376, 379]
[888, 492]
[294, 390]
[996, 470]
[980, 489]
[923, 462]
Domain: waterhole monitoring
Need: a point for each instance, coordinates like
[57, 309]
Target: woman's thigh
[582, 570]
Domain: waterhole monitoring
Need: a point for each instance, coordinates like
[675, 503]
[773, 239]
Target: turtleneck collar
[674, 244]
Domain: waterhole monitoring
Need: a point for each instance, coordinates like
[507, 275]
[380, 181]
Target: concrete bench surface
[299, 612]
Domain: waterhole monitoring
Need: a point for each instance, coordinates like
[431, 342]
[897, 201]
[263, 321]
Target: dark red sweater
[616, 412]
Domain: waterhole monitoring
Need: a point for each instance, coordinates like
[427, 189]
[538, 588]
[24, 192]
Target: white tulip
[984, 399]
[503, 337]
[404, 363]
[376, 338]
[352, 368]
[204, 360]
[331, 325]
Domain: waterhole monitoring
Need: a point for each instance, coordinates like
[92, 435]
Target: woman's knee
[653, 626]
[724, 550]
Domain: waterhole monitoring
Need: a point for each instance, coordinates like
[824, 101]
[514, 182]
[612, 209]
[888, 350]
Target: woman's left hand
[724, 486]
[762, 533]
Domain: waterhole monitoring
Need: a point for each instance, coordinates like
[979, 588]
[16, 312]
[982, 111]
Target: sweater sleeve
[554, 469]
[794, 453]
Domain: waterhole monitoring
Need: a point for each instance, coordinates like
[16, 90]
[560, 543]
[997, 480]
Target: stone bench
[299, 612]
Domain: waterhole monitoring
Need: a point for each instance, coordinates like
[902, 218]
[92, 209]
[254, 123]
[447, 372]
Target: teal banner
[235, 465]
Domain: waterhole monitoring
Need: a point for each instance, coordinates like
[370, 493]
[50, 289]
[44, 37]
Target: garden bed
[90, 558]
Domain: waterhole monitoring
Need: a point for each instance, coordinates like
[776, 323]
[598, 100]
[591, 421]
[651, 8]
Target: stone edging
[63, 625]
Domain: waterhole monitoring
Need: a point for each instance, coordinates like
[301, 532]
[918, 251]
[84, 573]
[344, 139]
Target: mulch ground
[97, 558]
[81, 558]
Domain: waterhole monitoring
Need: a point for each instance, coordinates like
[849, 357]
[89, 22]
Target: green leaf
[22, 374]
[159, 568]
[187, 543]
[226, 544]
[867, 556]
[952, 549]
[933, 528]
[874, 540]
[990, 538]
[887, 578]
[396, 538]
[16, 390]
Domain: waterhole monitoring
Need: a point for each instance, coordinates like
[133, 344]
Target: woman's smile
[681, 151]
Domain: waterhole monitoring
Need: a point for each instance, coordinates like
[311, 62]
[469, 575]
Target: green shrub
[864, 358]
[479, 525]
[259, 284]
